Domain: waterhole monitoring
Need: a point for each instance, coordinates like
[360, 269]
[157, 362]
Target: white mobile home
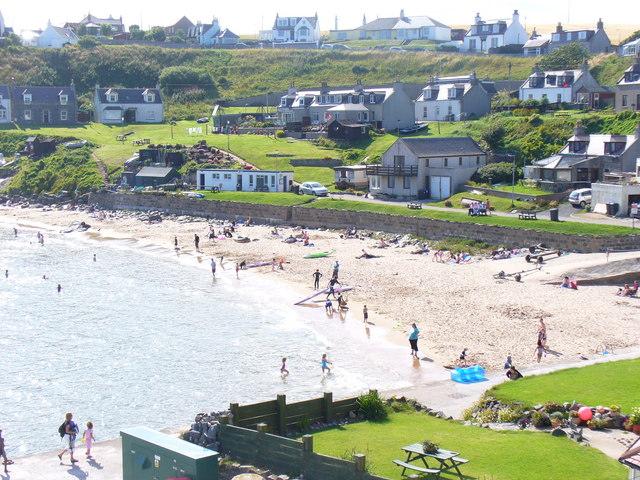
[245, 180]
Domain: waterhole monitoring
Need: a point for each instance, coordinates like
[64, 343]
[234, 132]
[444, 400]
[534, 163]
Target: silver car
[313, 188]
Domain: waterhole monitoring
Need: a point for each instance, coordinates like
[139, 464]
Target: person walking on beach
[15, 232]
[68, 431]
[316, 279]
[88, 438]
[283, 369]
[325, 362]
[365, 314]
[336, 269]
[542, 333]
[3, 454]
[175, 242]
[413, 340]
[332, 287]
[213, 267]
[6, 274]
[59, 288]
[237, 271]
[196, 241]
[94, 258]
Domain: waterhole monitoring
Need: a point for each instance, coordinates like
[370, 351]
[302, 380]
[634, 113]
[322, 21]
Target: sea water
[144, 336]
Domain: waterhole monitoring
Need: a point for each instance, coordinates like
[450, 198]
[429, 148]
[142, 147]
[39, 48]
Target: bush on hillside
[500, 172]
[176, 80]
[570, 56]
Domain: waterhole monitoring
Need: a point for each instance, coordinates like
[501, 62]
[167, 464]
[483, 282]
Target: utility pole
[513, 180]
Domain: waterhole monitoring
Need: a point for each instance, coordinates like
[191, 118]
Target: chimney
[478, 19]
[335, 27]
[401, 13]
[600, 24]
[585, 66]
[559, 28]
[516, 17]
[292, 90]
[579, 130]
[364, 20]
[534, 34]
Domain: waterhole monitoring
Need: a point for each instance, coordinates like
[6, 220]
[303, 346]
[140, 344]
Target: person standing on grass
[365, 314]
[316, 279]
[68, 431]
[413, 340]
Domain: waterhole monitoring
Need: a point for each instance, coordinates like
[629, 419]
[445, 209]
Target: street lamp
[513, 180]
[172, 125]
[228, 147]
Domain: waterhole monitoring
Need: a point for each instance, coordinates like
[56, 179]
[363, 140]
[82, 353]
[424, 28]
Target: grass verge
[512, 455]
[278, 199]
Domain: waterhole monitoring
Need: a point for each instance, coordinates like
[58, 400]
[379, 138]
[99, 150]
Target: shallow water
[143, 336]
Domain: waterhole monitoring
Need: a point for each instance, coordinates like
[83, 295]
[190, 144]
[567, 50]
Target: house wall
[6, 103]
[633, 97]
[603, 193]
[228, 181]
[551, 93]
[410, 160]
[515, 34]
[476, 102]
[629, 158]
[600, 43]
[397, 106]
[145, 112]
[438, 110]
[37, 110]
[51, 39]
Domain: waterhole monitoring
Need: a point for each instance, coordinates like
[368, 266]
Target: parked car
[313, 188]
[202, 120]
[580, 198]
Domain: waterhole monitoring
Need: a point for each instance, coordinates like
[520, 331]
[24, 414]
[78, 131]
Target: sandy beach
[455, 306]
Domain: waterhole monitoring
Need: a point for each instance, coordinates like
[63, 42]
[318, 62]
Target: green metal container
[151, 455]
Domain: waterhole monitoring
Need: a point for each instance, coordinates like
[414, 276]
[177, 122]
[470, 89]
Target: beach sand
[455, 306]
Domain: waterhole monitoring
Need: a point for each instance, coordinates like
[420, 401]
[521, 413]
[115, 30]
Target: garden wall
[316, 217]
[293, 457]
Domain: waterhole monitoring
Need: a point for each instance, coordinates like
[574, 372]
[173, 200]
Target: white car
[313, 188]
[580, 198]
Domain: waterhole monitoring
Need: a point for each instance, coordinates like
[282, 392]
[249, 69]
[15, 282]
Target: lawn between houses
[496, 455]
[263, 198]
[613, 383]
[569, 228]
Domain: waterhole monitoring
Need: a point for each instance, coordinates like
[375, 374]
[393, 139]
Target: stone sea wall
[316, 217]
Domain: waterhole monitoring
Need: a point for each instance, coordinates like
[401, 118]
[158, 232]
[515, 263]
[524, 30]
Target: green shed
[151, 455]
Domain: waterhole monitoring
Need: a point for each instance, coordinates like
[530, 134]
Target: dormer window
[361, 99]
[582, 35]
[485, 28]
[372, 98]
[536, 82]
[112, 97]
[551, 80]
[338, 98]
[27, 98]
[452, 92]
[578, 147]
[149, 97]
[283, 102]
[64, 99]
[614, 148]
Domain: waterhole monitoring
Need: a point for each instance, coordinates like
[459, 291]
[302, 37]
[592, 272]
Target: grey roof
[64, 32]
[441, 147]
[44, 95]
[540, 41]
[312, 20]
[101, 21]
[155, 172]
[129, 95]
[226, 33]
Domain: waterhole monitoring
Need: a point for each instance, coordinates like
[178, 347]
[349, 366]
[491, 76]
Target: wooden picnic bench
[527, 216]
[414, 206]
[446, 459]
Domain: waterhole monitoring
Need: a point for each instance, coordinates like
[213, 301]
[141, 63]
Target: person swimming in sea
[325, 362]
[283, 369]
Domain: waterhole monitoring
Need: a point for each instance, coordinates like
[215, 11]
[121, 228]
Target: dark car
[202, 120]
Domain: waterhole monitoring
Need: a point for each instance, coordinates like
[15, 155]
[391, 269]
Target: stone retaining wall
[316, 217]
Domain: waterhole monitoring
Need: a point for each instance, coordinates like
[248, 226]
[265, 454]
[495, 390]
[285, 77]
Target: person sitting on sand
[382, 243]
[513, 374]
[624, 292]
[462, 360]
[566, 283]
[342, 303]
[365, 255]
[328, 307]
[274, 232]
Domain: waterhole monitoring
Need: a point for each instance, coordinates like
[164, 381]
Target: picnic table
[443, 461]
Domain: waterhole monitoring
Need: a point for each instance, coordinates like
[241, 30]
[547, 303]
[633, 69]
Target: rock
[440, 415]
[558, 432]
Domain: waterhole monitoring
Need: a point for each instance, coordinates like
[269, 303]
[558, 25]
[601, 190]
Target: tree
[82, 30]
[136, 32]
[567, 57]
[106, 30]
[156, 34]
[87, 42]
[11, 40]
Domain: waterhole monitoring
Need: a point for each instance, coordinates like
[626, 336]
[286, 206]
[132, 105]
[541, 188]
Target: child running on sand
[283, 369]
[88, 438]
[325, 362]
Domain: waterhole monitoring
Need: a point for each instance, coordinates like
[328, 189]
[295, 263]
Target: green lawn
[573, 228]
[250, 110]
[280, 199]
[500, 204]
[492, 455]
[614, 383]
[521, 189]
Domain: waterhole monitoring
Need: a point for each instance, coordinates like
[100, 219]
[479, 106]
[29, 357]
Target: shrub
[372, 407]
[487, 416]
[467, 414]
[540, 420]
[566, 57]
[280, 134]
[597, 423]
[634, 417]
[615, 408]
[401, 407]
[180, 79]
[510, 414]
[500, 172]
[324, 142]
[535, 120]
[448, 204]
[551, 407]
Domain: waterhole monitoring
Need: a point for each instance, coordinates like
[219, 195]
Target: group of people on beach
[69, 431]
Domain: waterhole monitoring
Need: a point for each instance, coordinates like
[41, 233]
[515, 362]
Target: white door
[440, 187]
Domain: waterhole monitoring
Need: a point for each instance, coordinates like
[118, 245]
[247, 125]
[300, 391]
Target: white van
[580, 198]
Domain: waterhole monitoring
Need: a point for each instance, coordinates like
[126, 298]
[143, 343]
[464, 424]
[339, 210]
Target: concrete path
[106, 465]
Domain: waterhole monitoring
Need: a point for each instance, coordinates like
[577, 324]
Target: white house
[128, 105]
[630, 49]
[2, 27]
[484, 35]
[5, 105]
[56, 37]
[296, 29]
[211, 34]
[244, 180]
[351, 175]
[569, 86]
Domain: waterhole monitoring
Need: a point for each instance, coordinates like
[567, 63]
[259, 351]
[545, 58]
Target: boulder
[558, 432]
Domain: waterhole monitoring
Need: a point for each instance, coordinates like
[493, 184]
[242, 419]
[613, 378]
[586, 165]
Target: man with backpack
[68, 432]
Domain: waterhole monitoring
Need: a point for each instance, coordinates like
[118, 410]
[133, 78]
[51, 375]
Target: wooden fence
[284, 455]
[280, 416]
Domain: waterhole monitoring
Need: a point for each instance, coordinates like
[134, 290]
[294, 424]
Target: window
[64, 115]
[398, 161]
[425, 112]
[450, 110]
[426, 162]
[283, 102]
[273, 181]
[460, 161]
[151, 116]
[112, 97]
[374, 182]
[446, 162]
[559, 98]
[625, 100]
[530, 96]
[227, 176]
[3, 114]
[150, 97]
[582, 35]
[569, 36]
[372, 98]
[215, 176]
[251, 180]
[406, 183]
[361, 99]
[338, 98]
[477, 160]
[350, 99]
[27, 98]
[494, 42]
[64, 99]
[27, 115]
[391, 181]
[472, 44]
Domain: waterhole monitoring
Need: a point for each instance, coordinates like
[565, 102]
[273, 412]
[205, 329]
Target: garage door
[440, 187]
